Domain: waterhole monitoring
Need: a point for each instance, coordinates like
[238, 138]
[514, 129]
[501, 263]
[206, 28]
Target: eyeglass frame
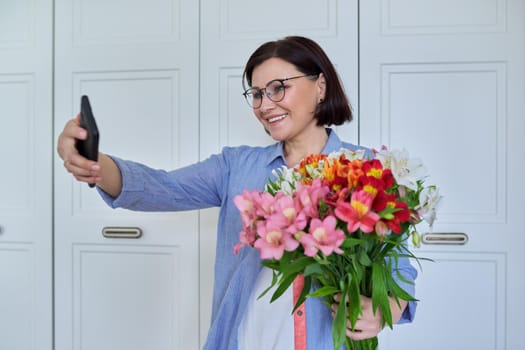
[269, 95]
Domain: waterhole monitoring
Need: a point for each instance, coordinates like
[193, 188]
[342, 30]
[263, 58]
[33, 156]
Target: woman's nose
[266, 103]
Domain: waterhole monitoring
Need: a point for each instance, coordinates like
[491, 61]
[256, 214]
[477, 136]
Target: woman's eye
[275, 89]
[257, 94]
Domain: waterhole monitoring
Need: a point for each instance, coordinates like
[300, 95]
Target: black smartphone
[88, 147]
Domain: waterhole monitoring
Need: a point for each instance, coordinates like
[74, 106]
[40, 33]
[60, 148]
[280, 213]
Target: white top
[267, 325]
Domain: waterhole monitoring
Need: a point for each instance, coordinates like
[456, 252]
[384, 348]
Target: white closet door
[445, 79]
[138, 62]
[230, 31]
[25, 179]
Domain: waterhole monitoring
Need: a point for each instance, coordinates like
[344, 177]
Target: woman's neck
[297, 149]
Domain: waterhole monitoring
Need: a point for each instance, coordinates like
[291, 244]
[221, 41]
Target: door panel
[137, 65]
[26, 178]
[423, 102]
[445, 81]
[128, 296]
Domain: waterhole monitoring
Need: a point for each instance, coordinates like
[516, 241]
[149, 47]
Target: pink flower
[287, 214]
[358, 214]
[246, 203]
[246, 238]
[273, 241]
[323, 236]
[264, 203]
[308, 197]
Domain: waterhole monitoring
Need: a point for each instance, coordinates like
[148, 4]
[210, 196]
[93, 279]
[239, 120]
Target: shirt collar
[332, 144]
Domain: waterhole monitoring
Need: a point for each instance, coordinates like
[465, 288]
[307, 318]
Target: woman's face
[292, 118]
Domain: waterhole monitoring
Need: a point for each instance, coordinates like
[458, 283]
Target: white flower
[314, 172]
[350, 155]
[429, 200]
[358, 154]
[286, 188]
[286, 179]
[407, 171]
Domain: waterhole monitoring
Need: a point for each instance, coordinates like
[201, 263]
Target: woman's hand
[104, 173]
[81, 168]
[368, 324]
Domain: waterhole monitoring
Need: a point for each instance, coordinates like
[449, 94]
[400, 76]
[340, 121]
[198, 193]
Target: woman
[295, 94]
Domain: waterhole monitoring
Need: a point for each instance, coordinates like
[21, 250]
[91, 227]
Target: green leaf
[324, 291]
[271, 264]
[339, 323]
[296, 266]
[351, 242]
[364, 259]
[274, 282]
[397, 291]
[313, 269]
[354, 296]
[380, 294]
[284, 283]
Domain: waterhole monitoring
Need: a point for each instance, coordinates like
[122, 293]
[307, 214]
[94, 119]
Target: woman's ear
[321, 87]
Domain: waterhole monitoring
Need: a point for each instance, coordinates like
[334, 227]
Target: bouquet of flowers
[341, 220]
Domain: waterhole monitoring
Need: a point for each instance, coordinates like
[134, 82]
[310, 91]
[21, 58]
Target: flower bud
[381, 228]
[416, 239]
[298, 235]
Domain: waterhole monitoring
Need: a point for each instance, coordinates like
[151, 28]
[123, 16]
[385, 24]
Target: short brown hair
[309, 58]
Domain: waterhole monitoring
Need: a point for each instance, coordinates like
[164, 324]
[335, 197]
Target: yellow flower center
[370, 189]
[374, 172]
[360, 208]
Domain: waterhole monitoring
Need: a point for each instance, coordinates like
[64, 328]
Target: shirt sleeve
[196, 186]
[409, 275]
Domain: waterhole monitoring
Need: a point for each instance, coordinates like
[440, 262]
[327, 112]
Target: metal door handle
[121, 232]
[454, 238]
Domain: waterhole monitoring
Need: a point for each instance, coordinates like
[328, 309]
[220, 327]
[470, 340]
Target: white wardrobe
[444, 79]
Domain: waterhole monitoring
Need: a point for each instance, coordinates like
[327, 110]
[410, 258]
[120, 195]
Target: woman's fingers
[68, 138]
[82, 169]
[368, 323]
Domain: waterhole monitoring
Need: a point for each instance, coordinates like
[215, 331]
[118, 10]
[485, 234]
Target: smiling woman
[296, 95]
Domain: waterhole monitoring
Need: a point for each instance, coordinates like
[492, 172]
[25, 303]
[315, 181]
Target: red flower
[393, 213]
[374, 169]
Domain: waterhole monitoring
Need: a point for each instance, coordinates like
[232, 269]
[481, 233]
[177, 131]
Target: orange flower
[355, 171]
[310, 161]
[334, 174]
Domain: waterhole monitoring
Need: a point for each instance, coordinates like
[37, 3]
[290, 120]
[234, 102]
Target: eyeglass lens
[274, 90]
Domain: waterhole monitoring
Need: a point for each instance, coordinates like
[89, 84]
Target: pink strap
[299, 317]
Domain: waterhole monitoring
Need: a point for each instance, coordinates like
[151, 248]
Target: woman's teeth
[275, 119]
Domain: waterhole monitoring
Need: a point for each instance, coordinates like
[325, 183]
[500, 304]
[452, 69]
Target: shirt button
[299, 313]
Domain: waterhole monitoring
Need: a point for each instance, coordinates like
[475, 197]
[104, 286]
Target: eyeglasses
[274, 90]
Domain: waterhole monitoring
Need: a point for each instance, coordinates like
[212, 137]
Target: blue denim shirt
[215, 182]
